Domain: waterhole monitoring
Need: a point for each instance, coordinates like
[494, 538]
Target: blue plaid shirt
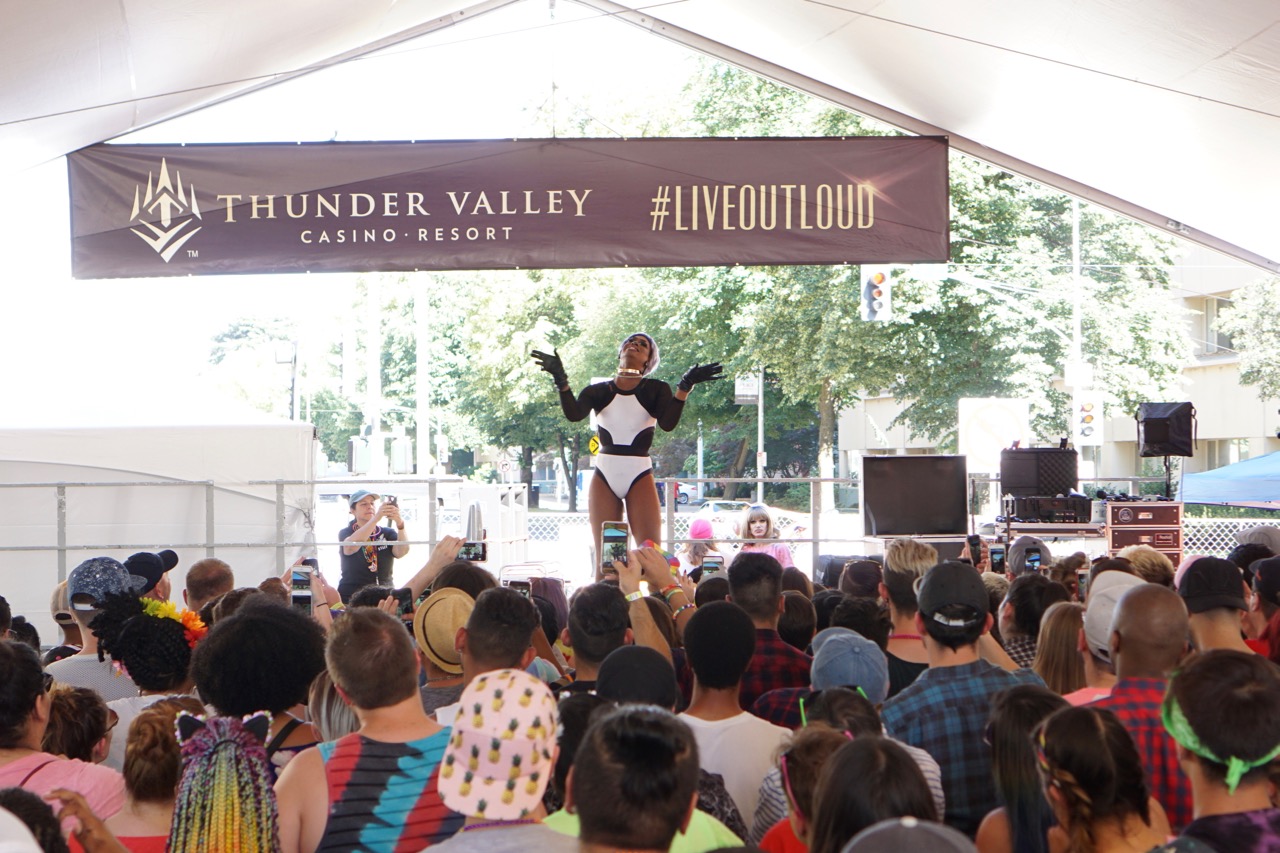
[944, 712]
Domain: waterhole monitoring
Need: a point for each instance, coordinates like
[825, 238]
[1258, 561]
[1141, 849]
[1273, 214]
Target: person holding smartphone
[367, 552]
[628, 408]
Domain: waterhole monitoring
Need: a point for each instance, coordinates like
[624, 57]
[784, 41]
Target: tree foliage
[1253, 322]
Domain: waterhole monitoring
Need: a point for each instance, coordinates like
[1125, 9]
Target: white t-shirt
[126, 710]
[741, 749]
[87, 671]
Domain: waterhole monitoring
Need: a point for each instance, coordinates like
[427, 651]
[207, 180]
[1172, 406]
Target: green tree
[1253, 322]
[1002, 329]
[512, 402]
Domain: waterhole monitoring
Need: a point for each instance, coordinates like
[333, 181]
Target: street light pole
[760, 458]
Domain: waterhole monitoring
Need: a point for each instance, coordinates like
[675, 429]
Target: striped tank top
[383, 797]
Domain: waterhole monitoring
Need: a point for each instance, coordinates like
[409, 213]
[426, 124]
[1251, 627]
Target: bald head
[1148, 632]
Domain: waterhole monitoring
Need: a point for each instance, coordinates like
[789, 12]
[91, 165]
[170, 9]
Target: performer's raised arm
[669, 417]
[574, 410]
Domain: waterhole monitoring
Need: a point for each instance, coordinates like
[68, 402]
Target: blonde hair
[757, 512]
[331, 715]
[1149, 564]
[905, 562]
[1058, 659]
[910, 556]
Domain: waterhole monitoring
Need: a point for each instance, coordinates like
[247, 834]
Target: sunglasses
[46, 681]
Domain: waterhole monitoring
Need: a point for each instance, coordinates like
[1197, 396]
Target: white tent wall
[127, 518]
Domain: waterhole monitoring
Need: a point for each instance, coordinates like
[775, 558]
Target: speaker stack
[1154, 523]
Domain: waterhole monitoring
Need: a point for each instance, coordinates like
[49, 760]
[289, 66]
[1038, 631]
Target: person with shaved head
[1148, 638]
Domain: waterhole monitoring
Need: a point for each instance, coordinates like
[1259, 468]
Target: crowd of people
[1076, 706]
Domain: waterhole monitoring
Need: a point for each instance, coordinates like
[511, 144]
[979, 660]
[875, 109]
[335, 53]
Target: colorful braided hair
[225, 799]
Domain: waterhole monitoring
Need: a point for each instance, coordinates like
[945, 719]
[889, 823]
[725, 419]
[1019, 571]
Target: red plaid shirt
[1136, 701]
[781, 707]
[775, 664]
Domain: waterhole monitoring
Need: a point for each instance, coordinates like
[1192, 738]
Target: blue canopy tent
[1253, 482]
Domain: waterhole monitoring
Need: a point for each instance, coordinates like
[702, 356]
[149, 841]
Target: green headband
[1175, 723]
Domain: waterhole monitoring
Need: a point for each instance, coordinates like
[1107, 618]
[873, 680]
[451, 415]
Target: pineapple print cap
[501, 750]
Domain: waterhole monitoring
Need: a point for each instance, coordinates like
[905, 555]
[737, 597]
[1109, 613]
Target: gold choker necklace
[629, 371]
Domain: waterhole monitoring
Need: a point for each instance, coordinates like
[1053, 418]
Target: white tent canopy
[1167, 111]
[102, 449]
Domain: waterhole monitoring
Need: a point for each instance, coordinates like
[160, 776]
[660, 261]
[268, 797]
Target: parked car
[723, 515]
[685, 492]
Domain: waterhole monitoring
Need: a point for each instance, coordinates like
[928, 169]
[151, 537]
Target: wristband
[634, 596]
[682, 609]
[667, 590]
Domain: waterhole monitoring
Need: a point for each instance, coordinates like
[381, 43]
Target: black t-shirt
[370, 563]
[902, 672]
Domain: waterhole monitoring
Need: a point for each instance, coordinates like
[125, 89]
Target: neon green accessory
[1175, 723]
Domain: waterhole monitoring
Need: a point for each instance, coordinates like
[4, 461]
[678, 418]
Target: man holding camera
[366, 551]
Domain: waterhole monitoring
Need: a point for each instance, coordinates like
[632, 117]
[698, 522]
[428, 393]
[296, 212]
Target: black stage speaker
[1166, 429]
[1038, 472]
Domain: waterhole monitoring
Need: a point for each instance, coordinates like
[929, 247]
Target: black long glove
[550, 362]
[700, 373]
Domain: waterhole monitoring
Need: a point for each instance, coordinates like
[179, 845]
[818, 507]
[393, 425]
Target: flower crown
[194, 628]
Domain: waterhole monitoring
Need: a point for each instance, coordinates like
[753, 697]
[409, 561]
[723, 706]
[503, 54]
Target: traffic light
[1086, 421]
[877, 293]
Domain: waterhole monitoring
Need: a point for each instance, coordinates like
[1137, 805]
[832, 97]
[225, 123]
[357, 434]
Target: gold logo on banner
[177, 207]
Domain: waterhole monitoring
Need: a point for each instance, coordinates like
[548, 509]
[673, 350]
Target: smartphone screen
[712, 563]
[1082, 583]
[1033, 559]
[475, 552]
[300, 588]
[521, 587]
[996, 552]
[613, 544]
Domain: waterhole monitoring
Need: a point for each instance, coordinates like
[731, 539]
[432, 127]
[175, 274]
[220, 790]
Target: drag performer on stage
[627, 409]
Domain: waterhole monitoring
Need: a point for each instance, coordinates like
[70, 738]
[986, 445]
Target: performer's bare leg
[602, 505]
[644, 514]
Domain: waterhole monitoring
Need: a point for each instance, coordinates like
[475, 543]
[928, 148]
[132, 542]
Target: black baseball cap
[1212, 582]
[1266, 579]
[951, 582]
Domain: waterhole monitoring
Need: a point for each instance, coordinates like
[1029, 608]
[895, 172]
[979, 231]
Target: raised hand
[550, 362]
[700, 373]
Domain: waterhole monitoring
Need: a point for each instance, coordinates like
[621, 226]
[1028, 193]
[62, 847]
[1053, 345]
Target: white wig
[654, 359]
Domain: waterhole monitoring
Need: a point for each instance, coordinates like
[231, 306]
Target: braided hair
[1089, 757]
[225, 800]
[155, 650]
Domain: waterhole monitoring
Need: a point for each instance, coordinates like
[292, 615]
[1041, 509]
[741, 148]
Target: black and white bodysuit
[625, 422]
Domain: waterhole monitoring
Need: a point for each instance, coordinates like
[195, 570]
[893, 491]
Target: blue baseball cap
[360, 495]
[845, 658]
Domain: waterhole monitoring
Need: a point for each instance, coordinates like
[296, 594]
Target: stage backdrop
[150, 210]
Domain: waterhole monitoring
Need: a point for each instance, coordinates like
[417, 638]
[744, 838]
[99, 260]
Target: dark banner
[149, 210]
